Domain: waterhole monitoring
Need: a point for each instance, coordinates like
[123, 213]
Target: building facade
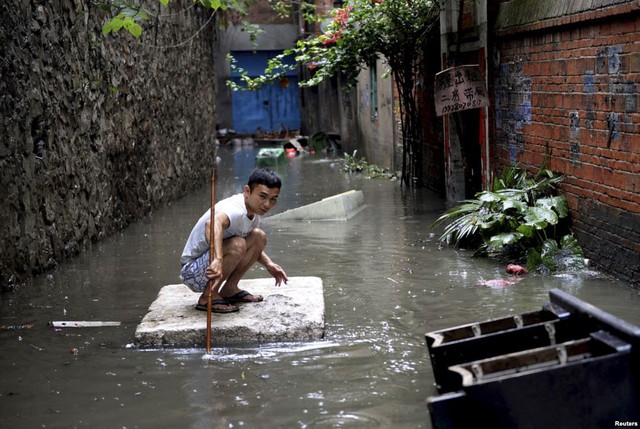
[565, 75]
[562, 76]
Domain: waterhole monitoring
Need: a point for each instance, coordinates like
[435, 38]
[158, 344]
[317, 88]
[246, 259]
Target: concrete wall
[326, 108]
[376, 118]
[566, 75]
[330, 108]
[95, 131]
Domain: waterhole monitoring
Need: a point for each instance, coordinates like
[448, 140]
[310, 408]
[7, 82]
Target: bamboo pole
[211, 252]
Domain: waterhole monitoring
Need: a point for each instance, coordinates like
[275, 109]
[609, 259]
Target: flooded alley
[386, 282]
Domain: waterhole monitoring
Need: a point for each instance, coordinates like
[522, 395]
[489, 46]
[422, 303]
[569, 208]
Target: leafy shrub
[521, 219]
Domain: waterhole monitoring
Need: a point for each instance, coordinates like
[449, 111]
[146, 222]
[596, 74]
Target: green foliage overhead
[128, 17]
[130, 14]
[358, 34]
[518, 219]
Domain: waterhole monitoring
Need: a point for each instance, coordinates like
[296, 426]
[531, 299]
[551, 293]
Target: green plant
[564, 255]
[129, 14]
[519, 219]
[353, 165]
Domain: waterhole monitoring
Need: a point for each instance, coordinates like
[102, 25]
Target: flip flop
[244, 296]
[228, 308]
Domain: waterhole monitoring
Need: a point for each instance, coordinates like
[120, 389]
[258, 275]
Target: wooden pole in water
[211, 251]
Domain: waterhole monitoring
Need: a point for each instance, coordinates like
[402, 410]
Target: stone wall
[566, 76]
[96, 130]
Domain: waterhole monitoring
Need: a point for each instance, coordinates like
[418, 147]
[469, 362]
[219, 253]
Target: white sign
[460, 88]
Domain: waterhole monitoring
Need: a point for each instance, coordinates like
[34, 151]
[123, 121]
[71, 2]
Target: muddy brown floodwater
[386, 282]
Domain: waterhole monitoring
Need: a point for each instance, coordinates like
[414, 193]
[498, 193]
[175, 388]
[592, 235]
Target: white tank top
[240, 226]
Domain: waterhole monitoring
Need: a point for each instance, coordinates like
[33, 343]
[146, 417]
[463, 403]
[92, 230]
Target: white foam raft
[343, 206]
[289, 313]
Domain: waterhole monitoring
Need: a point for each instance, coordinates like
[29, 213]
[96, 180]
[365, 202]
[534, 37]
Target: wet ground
[386, 282]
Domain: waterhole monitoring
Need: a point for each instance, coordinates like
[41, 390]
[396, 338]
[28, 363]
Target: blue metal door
[273, 107]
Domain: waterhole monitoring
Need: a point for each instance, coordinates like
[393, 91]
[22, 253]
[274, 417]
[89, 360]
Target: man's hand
[278, 273]
[214, 270]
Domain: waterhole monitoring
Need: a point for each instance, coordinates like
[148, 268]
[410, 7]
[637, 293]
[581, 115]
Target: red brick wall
[572, 83]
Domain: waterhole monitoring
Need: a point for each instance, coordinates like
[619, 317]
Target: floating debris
[82, 324]
[516, 270]
[496, 283]
[27, 325]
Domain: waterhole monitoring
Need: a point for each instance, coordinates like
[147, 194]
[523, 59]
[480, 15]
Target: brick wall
[568, 77]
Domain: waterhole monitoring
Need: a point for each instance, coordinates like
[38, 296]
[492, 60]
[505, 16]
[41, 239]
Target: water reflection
[386, 282]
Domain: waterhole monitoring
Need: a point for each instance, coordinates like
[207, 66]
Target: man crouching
[238, 244]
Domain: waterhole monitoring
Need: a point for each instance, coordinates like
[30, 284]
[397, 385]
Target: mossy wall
[96, 130]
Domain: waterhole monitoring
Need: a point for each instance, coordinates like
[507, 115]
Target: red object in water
[496, 283]
[517, 270]
[291, 152]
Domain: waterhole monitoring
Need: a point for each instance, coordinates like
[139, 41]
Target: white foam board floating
[337, 207]
[81, 324]
[291, 312]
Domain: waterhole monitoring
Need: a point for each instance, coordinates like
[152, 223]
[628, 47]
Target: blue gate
[273, 107]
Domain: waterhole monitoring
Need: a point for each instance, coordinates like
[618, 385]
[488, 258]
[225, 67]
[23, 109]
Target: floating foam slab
[338, 207]
[291, 312]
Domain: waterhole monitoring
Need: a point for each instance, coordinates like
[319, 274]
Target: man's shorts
[193, 273]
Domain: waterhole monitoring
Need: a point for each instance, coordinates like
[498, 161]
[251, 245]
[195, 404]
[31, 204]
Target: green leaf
[549, 250]
[500, 240]
[164, 3]
[107, 28]
[559, 204]
[489, 197]
[113, 25]
[212, 4]
[564, 256]
[540, 216]
[133, 27]
[571, 256]
[571, 245]
[489, 223]
[534, 260]
[514, 204]
[526, 230]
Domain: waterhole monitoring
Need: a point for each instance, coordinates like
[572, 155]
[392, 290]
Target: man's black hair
[264, 176]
